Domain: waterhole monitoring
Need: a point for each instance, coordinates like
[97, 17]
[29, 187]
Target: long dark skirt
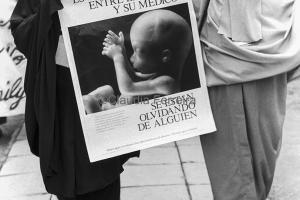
[111, 192]
[76, 176]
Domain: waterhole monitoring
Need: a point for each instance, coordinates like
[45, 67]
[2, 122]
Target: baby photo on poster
[135, 58]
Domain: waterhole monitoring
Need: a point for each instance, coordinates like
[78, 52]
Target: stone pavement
[9, 135]
[174, 171]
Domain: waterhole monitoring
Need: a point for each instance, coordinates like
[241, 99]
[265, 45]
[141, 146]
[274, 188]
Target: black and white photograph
[149, 100]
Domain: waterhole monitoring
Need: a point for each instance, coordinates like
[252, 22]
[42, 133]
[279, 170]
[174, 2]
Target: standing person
[248, 48]
[52, 121]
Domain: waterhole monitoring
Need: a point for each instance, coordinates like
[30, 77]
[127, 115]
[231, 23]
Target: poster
[12, 66]
[137, 72]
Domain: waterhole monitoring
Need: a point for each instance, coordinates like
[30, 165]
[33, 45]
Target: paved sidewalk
[175, 171]
[172, 171]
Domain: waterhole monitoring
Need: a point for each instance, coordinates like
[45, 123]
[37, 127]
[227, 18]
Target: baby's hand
[113, 45]
[112, 50]
[113, 38]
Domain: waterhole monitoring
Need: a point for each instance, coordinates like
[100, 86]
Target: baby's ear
[166, 55]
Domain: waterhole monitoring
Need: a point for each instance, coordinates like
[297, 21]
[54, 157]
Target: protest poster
[12, 66]
[137, 71]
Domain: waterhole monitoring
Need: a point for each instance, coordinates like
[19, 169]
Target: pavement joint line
[184, 174]
[29, 195]
[161, 147]
[18, 174]
[193, 184]
[154, 164]
[188, 143]
[11, 142]
[22, 139]
[192, 162]
[156, 185]
[19, 156]
[35, 194]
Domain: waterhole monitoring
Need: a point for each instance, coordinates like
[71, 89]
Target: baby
[161, 41]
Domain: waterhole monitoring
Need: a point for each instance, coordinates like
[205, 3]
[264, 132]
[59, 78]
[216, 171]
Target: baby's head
[161, 41]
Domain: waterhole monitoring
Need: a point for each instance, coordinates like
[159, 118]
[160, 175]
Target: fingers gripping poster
[137, 72]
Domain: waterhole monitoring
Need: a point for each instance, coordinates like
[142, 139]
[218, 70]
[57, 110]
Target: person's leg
[241, 155]
[111, 192]
[227, 153]
[265, 106]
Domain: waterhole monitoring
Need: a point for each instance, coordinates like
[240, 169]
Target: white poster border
[82, 17]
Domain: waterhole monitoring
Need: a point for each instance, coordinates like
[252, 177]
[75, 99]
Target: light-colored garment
[248, 26]
[241, 155]
[270, 34]
[248, 45]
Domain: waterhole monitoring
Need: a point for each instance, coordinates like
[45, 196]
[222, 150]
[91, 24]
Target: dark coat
[52, 121]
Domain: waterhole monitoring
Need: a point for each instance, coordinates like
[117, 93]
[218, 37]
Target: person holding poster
[52, 123]
[159, 95]
[248, 47]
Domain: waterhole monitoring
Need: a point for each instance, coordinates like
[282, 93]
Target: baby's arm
[114, 49]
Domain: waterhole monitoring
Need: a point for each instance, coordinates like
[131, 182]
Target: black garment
[110, 192]
[52, 122]
[2, 120]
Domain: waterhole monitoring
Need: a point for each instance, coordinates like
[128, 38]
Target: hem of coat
[83, 190]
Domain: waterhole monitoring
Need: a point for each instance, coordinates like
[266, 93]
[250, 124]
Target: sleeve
[31, 26]
[24, 21]
[30, 22]
[200, 7]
